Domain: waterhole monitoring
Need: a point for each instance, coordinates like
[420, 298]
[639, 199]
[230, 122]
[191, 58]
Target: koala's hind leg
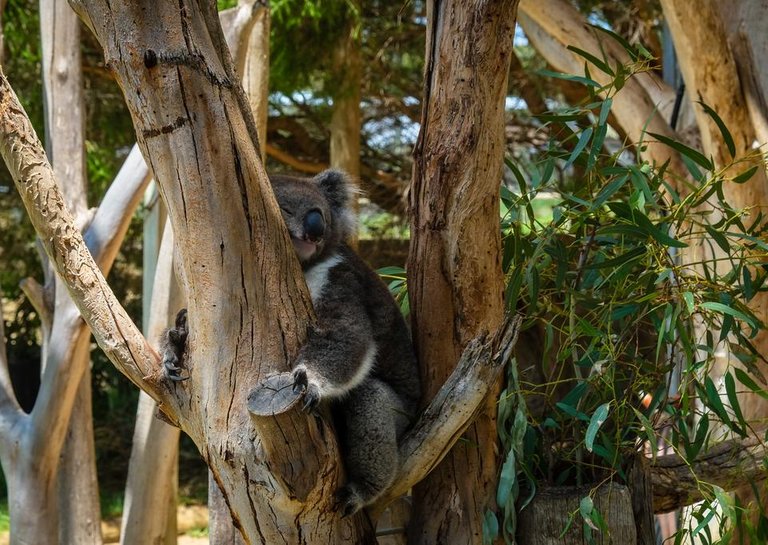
[370, 420]
[173, 343]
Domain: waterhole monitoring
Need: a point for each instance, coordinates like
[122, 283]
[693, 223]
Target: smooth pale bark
[149, 509]
[80, 514]
[454, 263]
[255, 69]
[553, 25]
[246, 29]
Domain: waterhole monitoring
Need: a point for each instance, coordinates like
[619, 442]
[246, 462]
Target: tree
[190, 139]
[249, 312]
[458, 164]
[34, 443]
[152, 473]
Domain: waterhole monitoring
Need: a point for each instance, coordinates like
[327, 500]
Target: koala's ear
[336, 187]
[338, 190]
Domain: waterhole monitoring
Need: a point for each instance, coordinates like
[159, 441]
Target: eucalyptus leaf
[597, 420]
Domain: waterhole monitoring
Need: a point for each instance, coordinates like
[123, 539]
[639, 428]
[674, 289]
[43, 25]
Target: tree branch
[677, 482]
[102, 237]
[453, 408]
[37, 296]
[552, 25]
[107, 230]
[296, 164]
[63, 242]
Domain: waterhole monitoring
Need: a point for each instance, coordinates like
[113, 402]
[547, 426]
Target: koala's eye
[286, 211]
[314, 225]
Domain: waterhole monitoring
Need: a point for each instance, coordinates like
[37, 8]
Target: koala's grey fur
[359, 358]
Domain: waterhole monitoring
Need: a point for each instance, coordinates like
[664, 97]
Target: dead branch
[677, 482]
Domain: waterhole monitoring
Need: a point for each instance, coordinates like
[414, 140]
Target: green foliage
[395, 278]
[303, 36]
[5, 519]
[636, 279]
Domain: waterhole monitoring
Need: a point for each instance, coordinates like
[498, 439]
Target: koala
[359, 359]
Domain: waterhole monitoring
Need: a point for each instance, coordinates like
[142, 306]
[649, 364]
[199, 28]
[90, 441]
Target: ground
[192, 520]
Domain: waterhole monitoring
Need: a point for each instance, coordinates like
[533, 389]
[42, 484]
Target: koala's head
[316, 212]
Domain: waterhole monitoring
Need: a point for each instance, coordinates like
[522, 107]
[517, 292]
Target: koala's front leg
[336, 358]
[173, 343]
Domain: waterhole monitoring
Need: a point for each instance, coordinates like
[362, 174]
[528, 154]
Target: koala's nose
[314, 225]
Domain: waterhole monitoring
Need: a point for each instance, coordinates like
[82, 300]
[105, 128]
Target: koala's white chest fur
[317, 276]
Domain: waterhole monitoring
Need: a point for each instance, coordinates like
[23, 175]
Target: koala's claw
[300, 381]
[311, 399]
[173, 344]
[173, 371]
[311, 393]
[348, 501]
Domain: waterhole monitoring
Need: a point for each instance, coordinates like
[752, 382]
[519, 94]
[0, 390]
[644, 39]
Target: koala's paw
[172, 346]
[301, 383]
[348, 500]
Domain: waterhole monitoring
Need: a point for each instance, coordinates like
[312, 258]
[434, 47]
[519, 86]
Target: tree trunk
[749, 43]
[255, 70]
[346, 119]
[149, 511]
[246, 28]
[555, 510]
[249, 44]
[78, 490]
[455, 263]
[248, 307]
[715, 75]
